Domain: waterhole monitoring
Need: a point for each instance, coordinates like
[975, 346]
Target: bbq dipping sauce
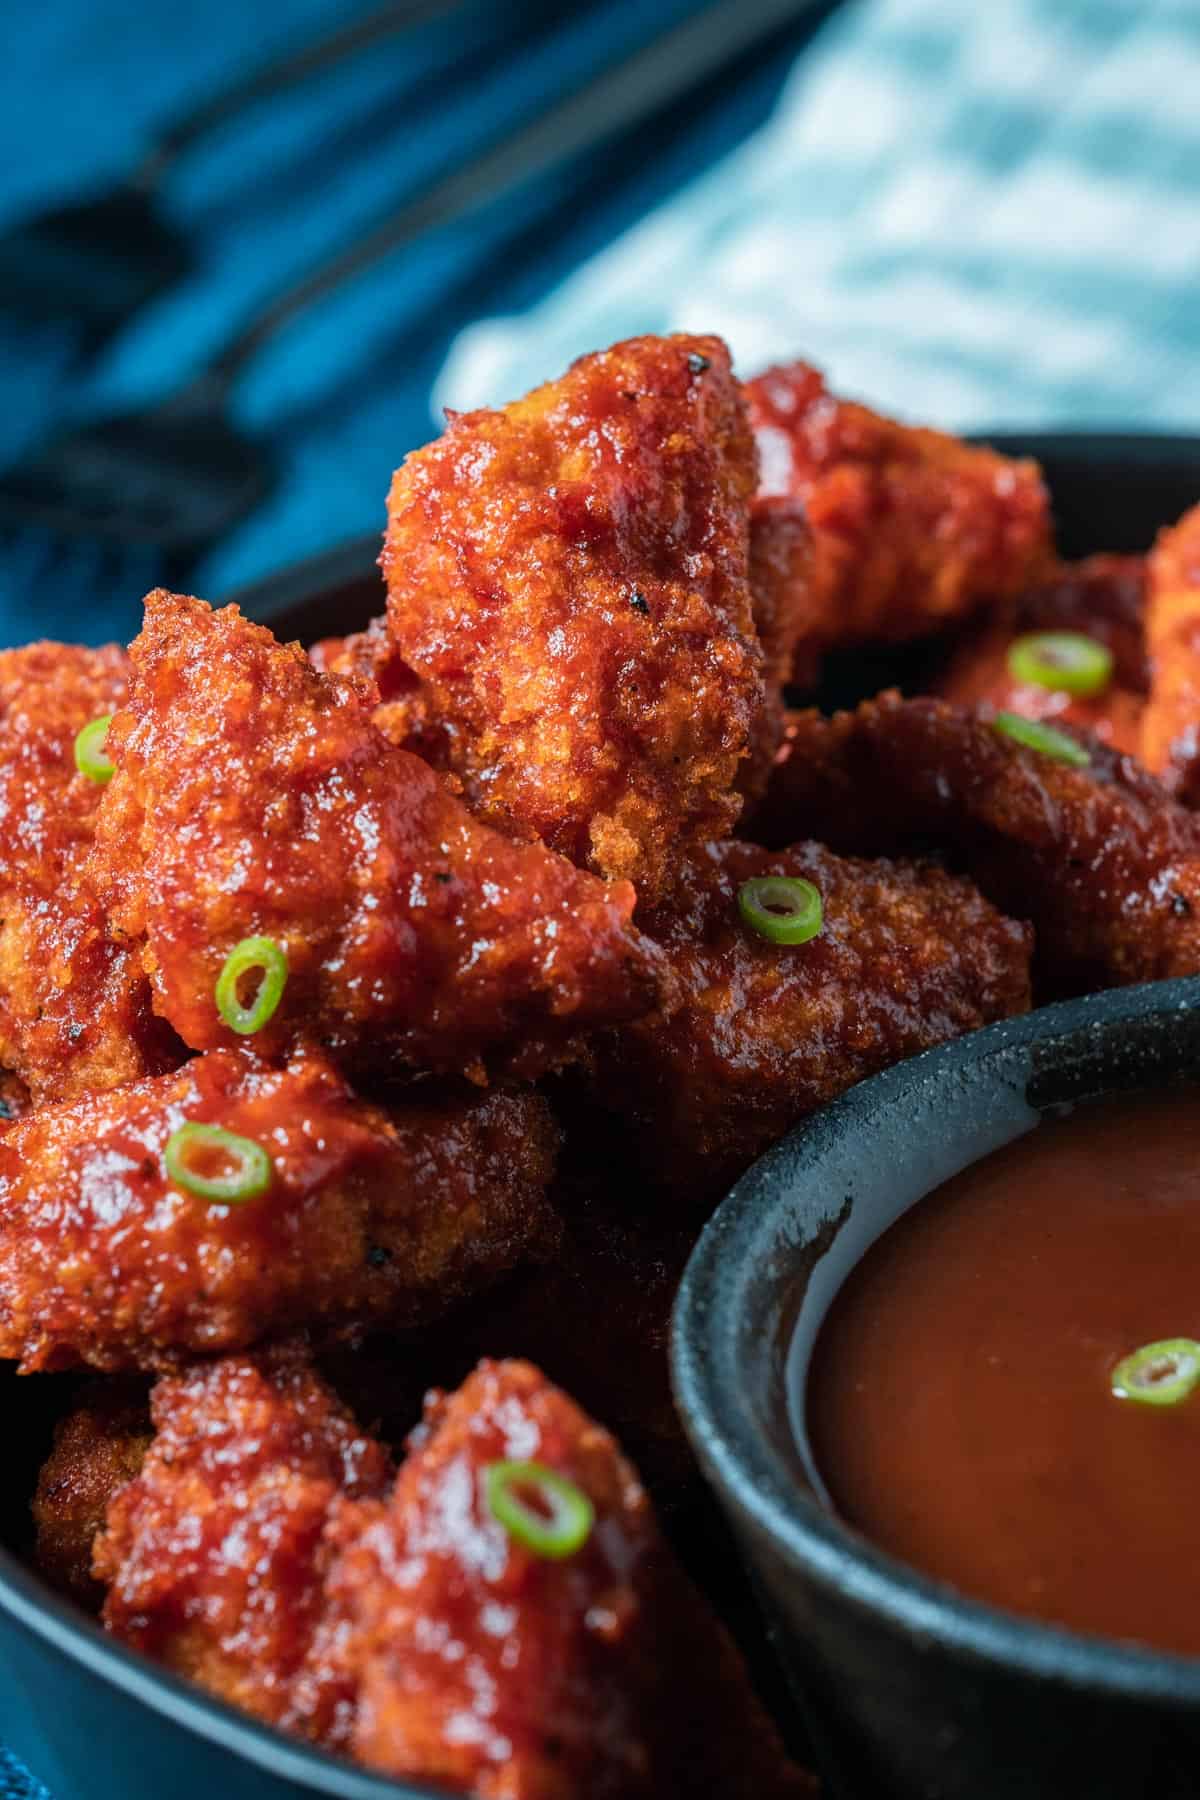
[960, 1401]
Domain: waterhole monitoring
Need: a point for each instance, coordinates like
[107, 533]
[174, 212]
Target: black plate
[101, 1724]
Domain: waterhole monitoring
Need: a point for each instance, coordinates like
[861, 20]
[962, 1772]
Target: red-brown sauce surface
[959, 1399]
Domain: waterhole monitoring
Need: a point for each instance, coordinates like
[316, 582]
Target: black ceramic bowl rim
[750, 1474]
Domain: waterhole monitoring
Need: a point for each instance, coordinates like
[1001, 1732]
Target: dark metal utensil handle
[630, 93]
[288, 70]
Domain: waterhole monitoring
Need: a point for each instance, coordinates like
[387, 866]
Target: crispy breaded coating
[405, 710]
[1102, 597]
[99, 1446]
[370, 1216]
[512, 1676]
[765, 1034]
[368, 657]
[75, 1011]
[782, 572]
[1101, 860]
[568, 580]
[254, 797]
[399, 706]
[1171, 723]
[598, 1312]
[14, 1098]
[911, 528]
[215, 1553]
[259, 1552]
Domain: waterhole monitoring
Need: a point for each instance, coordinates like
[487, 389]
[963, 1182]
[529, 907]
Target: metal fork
[177, 475]
[92, 264]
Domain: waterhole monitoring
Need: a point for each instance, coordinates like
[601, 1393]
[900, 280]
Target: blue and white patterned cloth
[979, 212]
[16, 1783]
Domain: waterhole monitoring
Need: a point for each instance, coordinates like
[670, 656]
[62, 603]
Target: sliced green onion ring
[1034, 735]
[249, 1177]
[90, 759]
[1160, 1374]
[782, 908]
[1066, 661]
[253, 953]
[561, 1529]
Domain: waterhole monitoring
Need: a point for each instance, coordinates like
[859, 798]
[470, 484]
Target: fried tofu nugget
[253, 797]
[782, 574]
[75, 1011]
[215, 1553]
[400, 708]
[1103, 598]
[1100, 859]
[514, 1675]
[368, 656]
[98, 1447]
[911, 528]
[14, 1098]
[568, 580]
[907, 957]
[1171, 723]
[597, 1312]
[367, 1216]
[260, 1552]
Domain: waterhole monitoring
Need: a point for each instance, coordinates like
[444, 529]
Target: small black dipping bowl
[911, 1691]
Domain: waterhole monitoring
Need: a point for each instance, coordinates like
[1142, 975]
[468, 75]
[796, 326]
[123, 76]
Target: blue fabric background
[977, 215]
[17, 1782]
[347, 391]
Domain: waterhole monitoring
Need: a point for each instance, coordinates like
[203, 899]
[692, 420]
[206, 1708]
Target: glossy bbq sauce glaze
[960, 1404]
